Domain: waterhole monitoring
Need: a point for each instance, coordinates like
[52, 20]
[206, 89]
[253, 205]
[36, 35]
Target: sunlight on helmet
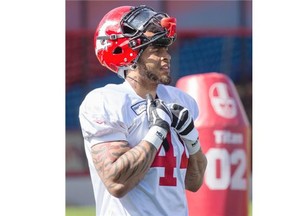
[120, 36]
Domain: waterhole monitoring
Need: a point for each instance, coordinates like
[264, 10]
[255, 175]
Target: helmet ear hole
[117, 50]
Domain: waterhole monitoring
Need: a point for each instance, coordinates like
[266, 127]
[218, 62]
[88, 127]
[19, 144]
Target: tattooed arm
[195, 171]
[121, 167]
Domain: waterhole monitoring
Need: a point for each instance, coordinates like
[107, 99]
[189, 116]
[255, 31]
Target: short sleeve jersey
[116, 112]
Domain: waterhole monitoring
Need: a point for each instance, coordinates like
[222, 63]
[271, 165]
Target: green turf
[250, 209]
[80, 211]
[90, 211]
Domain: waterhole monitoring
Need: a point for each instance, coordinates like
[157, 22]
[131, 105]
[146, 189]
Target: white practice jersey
[116, 112]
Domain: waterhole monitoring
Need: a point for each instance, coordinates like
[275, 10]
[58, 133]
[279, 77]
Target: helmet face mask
[120, 37]
[158, 39]
[138, 19]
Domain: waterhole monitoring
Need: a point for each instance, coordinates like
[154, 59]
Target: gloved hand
[160, 118]
[158, 113]
[184, 125]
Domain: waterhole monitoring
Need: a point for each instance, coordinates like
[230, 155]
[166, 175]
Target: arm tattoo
[195, 171]
[118, 164]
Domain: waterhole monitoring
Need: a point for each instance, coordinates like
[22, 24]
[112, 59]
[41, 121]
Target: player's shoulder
[175, 93]
[111, 96]
[171, 94]
[173, 89]
[110, 91]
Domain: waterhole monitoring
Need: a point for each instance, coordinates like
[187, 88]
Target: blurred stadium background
[213, 36]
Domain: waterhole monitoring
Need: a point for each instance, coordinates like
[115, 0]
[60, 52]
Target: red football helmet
[119, 38]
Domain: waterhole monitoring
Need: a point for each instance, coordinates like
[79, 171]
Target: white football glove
[160, 118]
[183, 123]
[158, 113]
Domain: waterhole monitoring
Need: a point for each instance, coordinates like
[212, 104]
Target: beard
[164, 79]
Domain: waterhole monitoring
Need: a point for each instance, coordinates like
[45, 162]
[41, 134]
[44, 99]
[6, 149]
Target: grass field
[80, 211]
[90, 211]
